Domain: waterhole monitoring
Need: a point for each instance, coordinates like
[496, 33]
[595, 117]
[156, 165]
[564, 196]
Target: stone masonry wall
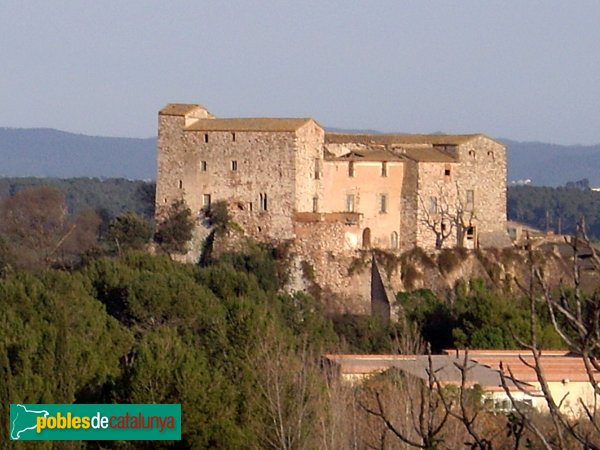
[432, 182]
[309, 149]
[322, 257]
[483, 170]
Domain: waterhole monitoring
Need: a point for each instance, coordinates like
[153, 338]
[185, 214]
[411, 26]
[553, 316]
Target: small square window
[447, 172]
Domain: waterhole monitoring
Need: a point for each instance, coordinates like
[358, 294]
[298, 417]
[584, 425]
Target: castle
[333, 193]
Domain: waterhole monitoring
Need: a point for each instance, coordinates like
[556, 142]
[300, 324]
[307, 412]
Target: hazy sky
[526, 70]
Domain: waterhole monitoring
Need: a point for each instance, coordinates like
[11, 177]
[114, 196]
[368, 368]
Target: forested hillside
[108, 197]
[556, 209]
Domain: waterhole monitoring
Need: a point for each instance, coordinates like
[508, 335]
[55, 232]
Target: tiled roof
[178, 109]
[428, 154]
[445, 367]
[430, 139]
[558, 365]
[248, 124]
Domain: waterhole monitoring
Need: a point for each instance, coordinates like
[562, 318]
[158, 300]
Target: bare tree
[425, 415]
[576, 318]
[287, 379]
[447, 214]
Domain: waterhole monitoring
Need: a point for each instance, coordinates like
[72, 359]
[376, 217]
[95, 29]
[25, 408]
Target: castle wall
[410, 206]
[482, 169]
[432, 182]
[309, 167]
[322, 253]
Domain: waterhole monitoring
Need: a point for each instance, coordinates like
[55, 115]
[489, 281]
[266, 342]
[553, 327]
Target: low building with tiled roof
[565, 374]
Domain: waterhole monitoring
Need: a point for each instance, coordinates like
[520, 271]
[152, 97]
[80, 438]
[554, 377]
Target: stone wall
[482, 169]
[242, 168]
[309, 150]
[433, 183]
[321, 256]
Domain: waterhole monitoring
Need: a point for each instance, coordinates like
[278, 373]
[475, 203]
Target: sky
[523, 70]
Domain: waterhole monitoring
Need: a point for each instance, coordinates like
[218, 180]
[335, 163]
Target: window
[180, 184]
[433, 206]
[203, 166]
[470, 233]
[206, 201]
[491, 155]
[205, 137]
[315, 204]
[382, 203]
[447, 170]
[472, 153]
[394, 240]
[351, 169]
[470, 200]
[234, 165]
[350, 203]
[384, 169]
[263, 202]
[233, 137]
[317, 168]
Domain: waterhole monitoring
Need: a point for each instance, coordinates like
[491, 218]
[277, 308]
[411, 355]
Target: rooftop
[249, 124]
[406, 139]
[179, 109]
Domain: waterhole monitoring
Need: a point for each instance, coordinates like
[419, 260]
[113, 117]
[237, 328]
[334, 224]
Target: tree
[175, 231]
[448, 214]
[575, 315]
[36, 227]
[129, 231]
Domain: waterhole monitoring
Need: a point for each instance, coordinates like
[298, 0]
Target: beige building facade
[279, 176]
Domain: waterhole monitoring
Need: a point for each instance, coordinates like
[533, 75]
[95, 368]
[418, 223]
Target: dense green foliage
[556, 209]
[479, 317]
[175, 230]
[144, 329]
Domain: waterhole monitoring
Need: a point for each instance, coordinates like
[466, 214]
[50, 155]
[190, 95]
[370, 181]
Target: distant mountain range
[42, 152]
